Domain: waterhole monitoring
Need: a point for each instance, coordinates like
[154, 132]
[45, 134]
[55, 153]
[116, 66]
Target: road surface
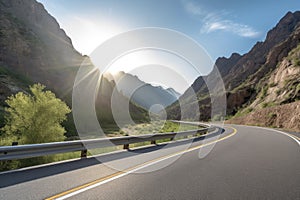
[244, 163]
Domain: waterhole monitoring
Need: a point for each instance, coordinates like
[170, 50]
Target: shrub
[264, 92]
[35, 117]
[273, 84]
[272, 115]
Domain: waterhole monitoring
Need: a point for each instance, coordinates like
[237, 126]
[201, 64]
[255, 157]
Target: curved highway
[244, 163]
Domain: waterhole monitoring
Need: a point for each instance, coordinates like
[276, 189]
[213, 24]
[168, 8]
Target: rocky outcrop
[245, 76]
[224, 64]
[284, 116]
[260, 54]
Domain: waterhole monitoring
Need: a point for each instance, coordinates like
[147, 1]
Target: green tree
[35, 117]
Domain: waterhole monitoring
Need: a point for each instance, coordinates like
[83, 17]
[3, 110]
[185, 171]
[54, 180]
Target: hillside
[277, 104]
[265, 76]
[33, 48]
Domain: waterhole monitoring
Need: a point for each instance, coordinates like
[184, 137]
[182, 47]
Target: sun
[87, 34]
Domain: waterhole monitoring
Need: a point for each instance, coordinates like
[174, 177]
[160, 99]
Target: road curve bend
[245, 163]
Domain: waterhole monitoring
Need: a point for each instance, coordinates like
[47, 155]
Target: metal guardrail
[36, 150]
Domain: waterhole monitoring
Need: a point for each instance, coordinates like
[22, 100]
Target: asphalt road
[250, 163]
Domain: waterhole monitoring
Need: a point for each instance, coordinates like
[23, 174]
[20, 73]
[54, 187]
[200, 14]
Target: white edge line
[133, 170]
[270, 129]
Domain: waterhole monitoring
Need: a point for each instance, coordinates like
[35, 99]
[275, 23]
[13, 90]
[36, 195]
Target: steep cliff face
[32, 44]
[245, 77]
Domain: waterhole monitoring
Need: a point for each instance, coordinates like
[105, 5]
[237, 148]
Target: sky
[220, 27]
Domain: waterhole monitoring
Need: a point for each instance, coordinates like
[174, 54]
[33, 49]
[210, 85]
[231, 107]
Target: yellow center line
[140, 165]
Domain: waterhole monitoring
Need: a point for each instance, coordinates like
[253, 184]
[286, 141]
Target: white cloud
[230, 26]
[193, 9]
[213, 21]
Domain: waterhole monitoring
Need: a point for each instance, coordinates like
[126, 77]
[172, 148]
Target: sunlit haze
[222, 28]
[158, 68]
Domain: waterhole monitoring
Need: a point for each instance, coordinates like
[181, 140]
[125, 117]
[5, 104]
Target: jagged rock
[246, 76]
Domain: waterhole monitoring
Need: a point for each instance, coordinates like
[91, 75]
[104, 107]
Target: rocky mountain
[33, 48]
[33, 45]
[277, 104]
[248, 78]
[144, 94]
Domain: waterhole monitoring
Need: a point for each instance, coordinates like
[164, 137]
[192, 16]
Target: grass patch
[157, 127]
[297, 62]
[264, 92]
[244, 112]
[269, 104]
[278, 92]
[273, 84]
[272, 115]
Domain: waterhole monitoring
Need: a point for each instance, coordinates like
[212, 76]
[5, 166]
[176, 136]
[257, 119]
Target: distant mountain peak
[174, 92]
[284, 27]
[142, 93]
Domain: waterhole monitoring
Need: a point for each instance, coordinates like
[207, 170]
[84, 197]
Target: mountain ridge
[142, 93]
[245, 75]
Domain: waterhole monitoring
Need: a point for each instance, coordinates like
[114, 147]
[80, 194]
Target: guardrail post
[15, 152]
[126, 146]
[14, 143]
[83, 154]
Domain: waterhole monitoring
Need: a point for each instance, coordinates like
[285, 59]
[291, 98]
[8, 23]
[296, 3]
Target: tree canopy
[35, 117]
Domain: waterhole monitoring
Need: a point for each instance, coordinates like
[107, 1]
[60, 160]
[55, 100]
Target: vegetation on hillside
[279, 91]
[156, 127]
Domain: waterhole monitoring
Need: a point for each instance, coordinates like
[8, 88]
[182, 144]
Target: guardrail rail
[36, 150]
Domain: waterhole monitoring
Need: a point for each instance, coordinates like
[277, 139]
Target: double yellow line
[106, 178]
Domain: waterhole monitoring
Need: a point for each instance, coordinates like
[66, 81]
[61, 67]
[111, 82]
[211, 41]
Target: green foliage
[264, 92]
[294, 56]
[297, 62]
[269, 104]
[272, 115]
[156, 127]
[273, 84]
[243, 112]
[217, 117]
[298, 87]
[278, 92]
[248, 110]
[264, 105]
[35, 117]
